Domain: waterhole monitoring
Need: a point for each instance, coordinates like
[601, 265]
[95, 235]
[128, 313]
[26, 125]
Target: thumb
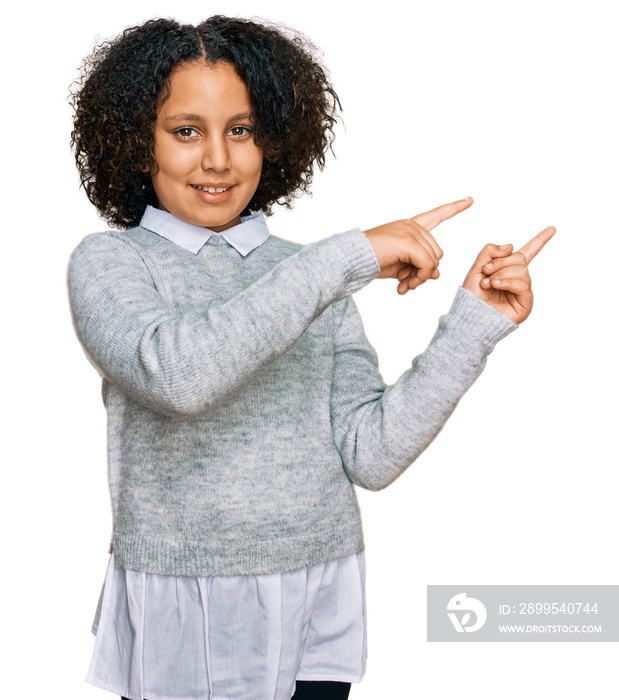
[490, 252]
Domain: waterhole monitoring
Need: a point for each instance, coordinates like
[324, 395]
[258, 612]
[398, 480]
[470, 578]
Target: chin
[220, 224]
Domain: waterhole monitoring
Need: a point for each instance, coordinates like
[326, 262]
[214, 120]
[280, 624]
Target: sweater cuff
[360, 260]
[478, 321]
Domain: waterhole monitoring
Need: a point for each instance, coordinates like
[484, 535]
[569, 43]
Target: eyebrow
[184, 116]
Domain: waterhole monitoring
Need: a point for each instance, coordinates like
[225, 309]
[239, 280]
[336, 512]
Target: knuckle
[521, 271]
[409, 230]
[432, 259]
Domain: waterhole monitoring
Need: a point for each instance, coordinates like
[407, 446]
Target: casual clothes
[244, 401]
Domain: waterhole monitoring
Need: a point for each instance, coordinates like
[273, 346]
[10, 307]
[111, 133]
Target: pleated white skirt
[229, 637]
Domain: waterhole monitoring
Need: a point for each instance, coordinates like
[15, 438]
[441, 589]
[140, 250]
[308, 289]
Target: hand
[407, 250]
[501, 278]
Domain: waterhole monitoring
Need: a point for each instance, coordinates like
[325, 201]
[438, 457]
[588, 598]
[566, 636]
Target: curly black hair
[125, 81]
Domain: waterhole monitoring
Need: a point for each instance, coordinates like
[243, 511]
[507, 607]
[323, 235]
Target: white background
[514, 104]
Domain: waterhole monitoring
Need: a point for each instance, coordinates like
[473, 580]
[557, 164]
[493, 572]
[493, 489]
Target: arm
[184, 363]
[380, 430]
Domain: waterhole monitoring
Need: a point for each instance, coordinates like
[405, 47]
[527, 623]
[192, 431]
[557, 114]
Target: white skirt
[229, 637]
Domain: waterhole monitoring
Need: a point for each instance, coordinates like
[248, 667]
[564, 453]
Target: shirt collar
[249, 234]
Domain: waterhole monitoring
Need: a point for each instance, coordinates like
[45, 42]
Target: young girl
[243, 398]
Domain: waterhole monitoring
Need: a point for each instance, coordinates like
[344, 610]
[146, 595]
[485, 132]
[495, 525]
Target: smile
[212, 190]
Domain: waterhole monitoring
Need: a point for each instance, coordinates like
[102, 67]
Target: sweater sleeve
[380, 430]
[184, 363]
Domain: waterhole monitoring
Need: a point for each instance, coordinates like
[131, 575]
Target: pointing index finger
[533, 247]
[431, 219]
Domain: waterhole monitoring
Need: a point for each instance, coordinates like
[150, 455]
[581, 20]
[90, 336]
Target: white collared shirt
[249, 234]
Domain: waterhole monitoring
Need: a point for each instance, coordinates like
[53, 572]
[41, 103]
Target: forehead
[208, 91]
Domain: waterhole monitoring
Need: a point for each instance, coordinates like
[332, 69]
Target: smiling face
[207, 163]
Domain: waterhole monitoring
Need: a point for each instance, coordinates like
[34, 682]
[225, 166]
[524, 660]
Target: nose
[215, 154]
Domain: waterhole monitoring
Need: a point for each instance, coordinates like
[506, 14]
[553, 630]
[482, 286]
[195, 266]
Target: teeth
[211, 190]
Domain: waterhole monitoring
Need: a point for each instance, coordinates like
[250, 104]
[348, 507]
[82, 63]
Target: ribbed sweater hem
[207, 558]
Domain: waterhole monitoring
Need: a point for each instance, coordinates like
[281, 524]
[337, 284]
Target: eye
[186, 133]
[240, 131]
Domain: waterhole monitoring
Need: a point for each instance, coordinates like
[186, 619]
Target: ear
[150, 167]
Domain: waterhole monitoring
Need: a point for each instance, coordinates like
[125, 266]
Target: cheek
[172, 162]
[258, 171]
[175, 168]
[254, 164]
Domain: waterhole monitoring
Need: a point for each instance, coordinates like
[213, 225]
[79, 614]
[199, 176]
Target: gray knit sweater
[244, 399]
